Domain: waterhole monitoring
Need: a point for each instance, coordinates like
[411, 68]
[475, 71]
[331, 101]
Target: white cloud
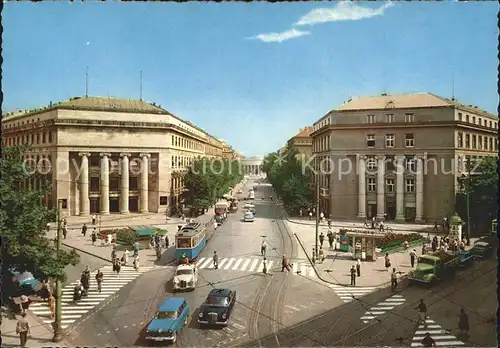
[280, 37]
[343, 11]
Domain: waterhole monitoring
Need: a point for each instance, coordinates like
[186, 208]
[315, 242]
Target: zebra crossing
[71, 311]
[382, 307]
[255, 265]
[442, 337]
[346, 293]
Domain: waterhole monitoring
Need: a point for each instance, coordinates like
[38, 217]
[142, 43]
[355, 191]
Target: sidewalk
[41, 335]
[147, 257]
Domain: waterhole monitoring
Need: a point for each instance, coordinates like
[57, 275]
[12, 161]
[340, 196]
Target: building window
[409, 118]
[460, 140]
[370, 140]
[474, 145]
[173, 140]
[50, 137]
[94, 161]
[409, 140]
[389, 118]
[32, 138]
[133, 183]
[410, 185]
[389, 185]
[38, 138]
[370, 118]
[94, 184]
[390, 163]
[490, 124]
[163, 200]
[480, 121]
[43, 137]
[485, 144]
[460, 118]
[114, 183]
[467, 141]
[372, 185]
[410, 164]
[491, 144]
[389, 140]
[474, 119]
[467, 118]
[371, 163]
[480, 142]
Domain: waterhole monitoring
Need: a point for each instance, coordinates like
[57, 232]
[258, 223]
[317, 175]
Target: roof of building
[171, 304]
[405, 101]
[304, 132]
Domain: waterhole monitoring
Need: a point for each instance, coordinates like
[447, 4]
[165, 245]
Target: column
[380, 187]
[124, 184]
[419, 188]
[400, 194]
[144, 183]
[84, 185]
[361, 187]
[105, 183]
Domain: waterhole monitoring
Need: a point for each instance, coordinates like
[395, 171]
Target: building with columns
[302, 141]
[109, 155]
[252, 165]
[398, 156]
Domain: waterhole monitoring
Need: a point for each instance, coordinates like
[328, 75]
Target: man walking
[84, 230]
[358, 268]
[329, 235]
[285, 264]
[23, 329]
[413, 255]
[263, 248]
[422, 312]
[353, 275]
[321, 238]
[99, 277]
[216, 260]
[394, 279]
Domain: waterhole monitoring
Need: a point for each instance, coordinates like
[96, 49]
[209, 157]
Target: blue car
[466, 257]
[171, 317]
[25, 280]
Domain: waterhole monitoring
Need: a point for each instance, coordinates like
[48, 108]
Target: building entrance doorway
[95, 205]
[372, 210]
[391, 211]
[133, 204]
[114, 205]
[410, 214]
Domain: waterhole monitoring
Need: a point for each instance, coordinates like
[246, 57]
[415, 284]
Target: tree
[289, 178]
[208, 179]
[23, 219]
[482, 189]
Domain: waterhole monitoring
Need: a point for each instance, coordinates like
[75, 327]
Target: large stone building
[252, 165]
[399, 155]
[302, 141]
[93, 151]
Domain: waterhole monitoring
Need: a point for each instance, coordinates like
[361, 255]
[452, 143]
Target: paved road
[123, 321]
[389, 319]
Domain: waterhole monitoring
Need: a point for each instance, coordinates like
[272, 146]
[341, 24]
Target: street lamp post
[466, 181]
[58, 315]
[317, 223]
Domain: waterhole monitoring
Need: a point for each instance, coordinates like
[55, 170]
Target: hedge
[392, 240]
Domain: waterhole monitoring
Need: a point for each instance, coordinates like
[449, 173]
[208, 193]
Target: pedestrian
[358, 268]
[25, 303]
[428, 341]
[44, 290]
[413, 255]
[113, 254]
[136, 262]
[64, 232]
[64, 222]
[125, 257]
[84, 229]
[321, 254]
[353, 275]
[424, 249]
[330, 223]
[329, 235]
[285, 264]
[99, 277]
[263, 248]
[47, 227]
[52, 305]
[387, 262]
[264, 265]
[109, 238]
[422, 313]
[94, 219]
[137, 247]
[310, 215]
[406, 245]
[117, 266]
[463, 322]
[434, 246]
[435, 229]
[23, 329]
[216, 260]
[462, 245]
[321, 238]
[394, 279]
[94, 237]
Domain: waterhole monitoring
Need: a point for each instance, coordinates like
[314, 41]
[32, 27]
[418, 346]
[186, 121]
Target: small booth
[456, 227]
[364, 243]
[494, 227]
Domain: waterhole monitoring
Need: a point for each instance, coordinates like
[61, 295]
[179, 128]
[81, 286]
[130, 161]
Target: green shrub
[125, 236]
[392, 240]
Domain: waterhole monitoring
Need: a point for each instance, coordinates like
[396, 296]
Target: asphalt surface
[260, 307]
[473, 288]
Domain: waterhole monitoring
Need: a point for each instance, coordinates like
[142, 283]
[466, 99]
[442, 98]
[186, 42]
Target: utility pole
[317, 222]
[57, 323]
[467, 207]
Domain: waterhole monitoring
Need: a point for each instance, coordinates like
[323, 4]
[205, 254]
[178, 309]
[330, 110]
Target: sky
[251, 74]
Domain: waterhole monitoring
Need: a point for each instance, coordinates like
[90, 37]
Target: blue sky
[249, 73]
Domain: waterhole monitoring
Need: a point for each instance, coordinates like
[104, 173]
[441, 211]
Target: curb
[331, 282]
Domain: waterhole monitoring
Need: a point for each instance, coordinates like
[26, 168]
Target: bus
[190, 241]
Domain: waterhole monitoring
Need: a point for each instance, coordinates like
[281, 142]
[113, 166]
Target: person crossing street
[329, 235]
[99, 277]
[422, 313]
[285, 264]
[84, 230]
[23, 329]
[353, 275]
[413, 256]
[216, 260]
[263, 248]
[321, 238]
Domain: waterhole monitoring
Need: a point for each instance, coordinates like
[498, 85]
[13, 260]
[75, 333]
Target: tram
[190, 241]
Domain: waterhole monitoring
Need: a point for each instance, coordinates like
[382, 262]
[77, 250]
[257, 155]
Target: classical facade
[399, 156]
[252, 165]
[302, 141]
[108, 155]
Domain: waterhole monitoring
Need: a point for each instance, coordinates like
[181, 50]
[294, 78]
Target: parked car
[249, 217]
[466, 258]
[171, 317]
[482, 249]
[217, 308]
[185, 278]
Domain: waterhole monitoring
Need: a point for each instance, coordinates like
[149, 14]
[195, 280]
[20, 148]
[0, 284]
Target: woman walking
[463, 322]
[52, 305]
[387, 262]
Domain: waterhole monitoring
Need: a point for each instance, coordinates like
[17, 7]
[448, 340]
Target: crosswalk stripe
[222, 262]
[200, 261]
[205, 263]
[245, 265]
[237, 264]
[270, 265]
[211, 265]
[254, 264]
[229, 263]
[443, 338]
[383, 307]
